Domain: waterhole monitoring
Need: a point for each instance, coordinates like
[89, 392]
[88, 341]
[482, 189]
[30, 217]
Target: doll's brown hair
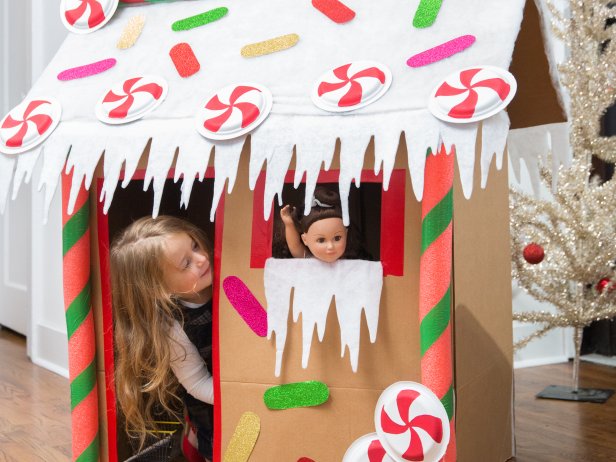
[331, 208]
[326, 204]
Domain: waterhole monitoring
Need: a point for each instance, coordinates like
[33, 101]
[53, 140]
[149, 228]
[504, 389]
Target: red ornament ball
[533, 253]
[604, 283]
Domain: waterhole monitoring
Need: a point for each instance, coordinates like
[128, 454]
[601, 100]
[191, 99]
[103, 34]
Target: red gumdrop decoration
[603, 284]
[533, 253]
[305, 459]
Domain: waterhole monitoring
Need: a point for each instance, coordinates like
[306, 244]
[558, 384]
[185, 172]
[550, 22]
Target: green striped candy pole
[435, 284]
[80, 325]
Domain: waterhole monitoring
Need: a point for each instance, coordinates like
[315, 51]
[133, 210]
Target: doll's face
[187, 272]
[326, 239]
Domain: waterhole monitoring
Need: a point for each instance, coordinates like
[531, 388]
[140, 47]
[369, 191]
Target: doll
[321, 233]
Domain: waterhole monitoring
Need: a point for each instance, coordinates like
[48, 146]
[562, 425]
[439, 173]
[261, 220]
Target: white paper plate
[83, 17]
[409, 419]
[351, 86]
[131, 99]
[29, 124]
[366, 448]
[233, 111]
[472, 94]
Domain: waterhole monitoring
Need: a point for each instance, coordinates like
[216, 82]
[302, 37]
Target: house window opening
[364, 231]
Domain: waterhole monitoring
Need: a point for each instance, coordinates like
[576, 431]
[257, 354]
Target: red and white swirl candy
[85, 16]
[366, 448]
[29, 124]
[234, 111]
[131, 99]
[472, 94]
[351, 86]
[411, 423]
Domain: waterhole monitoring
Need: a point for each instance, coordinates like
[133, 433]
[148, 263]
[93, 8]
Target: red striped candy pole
[80, 325]
[435, 284]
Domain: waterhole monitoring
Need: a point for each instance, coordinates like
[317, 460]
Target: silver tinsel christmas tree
[564, 249]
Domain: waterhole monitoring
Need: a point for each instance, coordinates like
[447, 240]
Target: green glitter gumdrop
[426, 13]
[299, 394]
[200, 19]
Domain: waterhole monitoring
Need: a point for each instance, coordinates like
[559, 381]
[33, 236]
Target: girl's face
[187, 273]
[326, 239]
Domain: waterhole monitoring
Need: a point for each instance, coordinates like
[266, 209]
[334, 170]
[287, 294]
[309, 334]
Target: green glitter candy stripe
[299, 394]
[78, 310]
[82, 385]
[75, 228]
[200, 19]
[448, 402]
[90, 454]
[436, 221]
[426, 13]
[435, 322]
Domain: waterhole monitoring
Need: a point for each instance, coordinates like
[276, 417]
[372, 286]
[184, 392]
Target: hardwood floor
[35, 413]
[558, 431]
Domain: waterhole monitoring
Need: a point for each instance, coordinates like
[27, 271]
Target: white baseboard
[50, 350]
[51, 367]
[532, 362]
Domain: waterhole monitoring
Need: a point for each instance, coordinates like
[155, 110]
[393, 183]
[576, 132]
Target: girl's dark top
[198, 329]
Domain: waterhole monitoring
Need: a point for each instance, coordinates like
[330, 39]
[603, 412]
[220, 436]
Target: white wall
[31, 253]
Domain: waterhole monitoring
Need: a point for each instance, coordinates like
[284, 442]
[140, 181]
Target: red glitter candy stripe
[184, 59]
[334, 10]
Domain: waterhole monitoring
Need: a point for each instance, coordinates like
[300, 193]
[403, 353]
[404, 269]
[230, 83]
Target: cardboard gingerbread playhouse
[221, 113]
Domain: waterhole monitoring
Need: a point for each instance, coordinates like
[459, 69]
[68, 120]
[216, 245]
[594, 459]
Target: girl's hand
[285, 215]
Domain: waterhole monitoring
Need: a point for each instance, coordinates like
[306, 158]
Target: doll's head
[322, 230]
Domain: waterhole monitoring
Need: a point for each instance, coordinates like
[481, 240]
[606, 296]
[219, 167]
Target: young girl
[161, 277]
[321, 233]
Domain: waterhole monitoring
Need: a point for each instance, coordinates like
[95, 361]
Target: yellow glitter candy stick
[131, 32]
[244, 438]
[270, 46]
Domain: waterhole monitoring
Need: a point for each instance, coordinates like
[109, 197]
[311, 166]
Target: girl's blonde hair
[144, 312]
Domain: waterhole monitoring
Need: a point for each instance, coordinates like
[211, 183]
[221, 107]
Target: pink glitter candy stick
[87, 70]
[442, 51]
[245, 303]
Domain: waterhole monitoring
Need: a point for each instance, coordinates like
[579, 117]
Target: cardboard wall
[482, 329]
[247, 362]
[482, 342]
[536, 101]
[482, 319]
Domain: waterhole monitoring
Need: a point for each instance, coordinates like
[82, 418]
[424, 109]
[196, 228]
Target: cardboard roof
[380, 31]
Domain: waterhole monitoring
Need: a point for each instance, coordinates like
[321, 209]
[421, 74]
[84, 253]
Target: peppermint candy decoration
[85, 16]
[366, 448]
[351, 86]
[29, 124]
[472, 94]
[131, 99]
[234, 111]
[411, 423]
